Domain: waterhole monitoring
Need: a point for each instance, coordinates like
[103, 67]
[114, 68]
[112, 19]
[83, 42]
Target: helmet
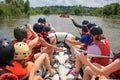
[84, 29]
[22, 50]
[20, 32]
[41, 20]
[6, 52]
[96, 30]
[46, 28]
[91, 25]
[85, 22]
[37, 27]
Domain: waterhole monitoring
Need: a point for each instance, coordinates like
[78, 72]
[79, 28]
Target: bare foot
[52, 72]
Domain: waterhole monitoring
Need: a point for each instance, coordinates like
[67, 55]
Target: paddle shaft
[77, 51]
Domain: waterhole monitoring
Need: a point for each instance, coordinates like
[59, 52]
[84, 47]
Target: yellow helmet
[22, 50]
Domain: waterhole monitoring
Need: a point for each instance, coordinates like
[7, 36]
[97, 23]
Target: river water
[111, 27]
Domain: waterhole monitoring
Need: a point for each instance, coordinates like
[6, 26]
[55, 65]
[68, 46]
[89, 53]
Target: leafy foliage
[19, 7]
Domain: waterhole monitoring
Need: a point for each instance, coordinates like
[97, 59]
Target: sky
[88, 3]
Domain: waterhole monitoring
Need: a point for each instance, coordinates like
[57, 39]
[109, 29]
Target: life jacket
[24, 40]
[105, 51]
[18, 70]
[30, 36]
[38, 46]
[44, 34]
[116, 74]
[5, 74]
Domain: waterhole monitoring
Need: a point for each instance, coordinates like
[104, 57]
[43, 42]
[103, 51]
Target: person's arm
[36, 38]
[75, 42]
[76, 24]
[44, 43]
[114, 66]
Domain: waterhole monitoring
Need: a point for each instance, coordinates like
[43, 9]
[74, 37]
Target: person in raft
[82, 43]
[6, 57]
[47, 48]
[111, 71]
[23, 68]
[100, 46]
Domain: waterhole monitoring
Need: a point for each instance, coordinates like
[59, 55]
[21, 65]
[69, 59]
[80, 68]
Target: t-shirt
[86, 39]
[94, 49]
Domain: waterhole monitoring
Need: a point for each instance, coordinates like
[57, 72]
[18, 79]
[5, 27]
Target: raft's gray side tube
[60, 36]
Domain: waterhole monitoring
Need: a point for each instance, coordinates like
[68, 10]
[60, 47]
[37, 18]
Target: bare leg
[78, 64]
[90, 75]
[44, 59]
[53, 41]
[72, 51]
[87, 74]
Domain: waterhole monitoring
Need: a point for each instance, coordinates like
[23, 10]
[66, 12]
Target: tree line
[14, 7]
[19, 7]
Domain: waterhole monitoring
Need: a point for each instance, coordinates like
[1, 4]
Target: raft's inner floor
[63, 67]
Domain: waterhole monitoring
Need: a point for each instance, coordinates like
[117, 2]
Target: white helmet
[22, 50]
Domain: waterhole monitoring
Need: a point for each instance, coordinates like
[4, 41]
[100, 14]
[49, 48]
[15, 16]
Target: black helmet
[41, 20]
[37, 27]
[85, 22]
[84, 28]
[20, 33]
[6, 52]
[90, 25]
[96, 30]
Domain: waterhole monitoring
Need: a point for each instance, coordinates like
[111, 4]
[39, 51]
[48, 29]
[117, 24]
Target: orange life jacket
[105, 51]
[5, 74]
[116, 74]
[18, 70]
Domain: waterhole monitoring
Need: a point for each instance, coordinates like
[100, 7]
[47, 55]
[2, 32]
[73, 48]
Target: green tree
[107, 10]
[7, 1]
[27, 6]
[47, 10]
[77, 10]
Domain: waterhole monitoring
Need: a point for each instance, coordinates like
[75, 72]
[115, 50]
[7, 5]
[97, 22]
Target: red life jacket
[38, 46]
[105, 51]
[18, 70]
[116, 74]
[5, 74]
[29, 36]
[44, 34]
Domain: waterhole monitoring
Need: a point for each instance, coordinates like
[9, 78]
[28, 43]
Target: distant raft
[64, 16]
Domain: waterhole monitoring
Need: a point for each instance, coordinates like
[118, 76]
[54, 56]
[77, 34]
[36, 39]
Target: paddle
[77, 52]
